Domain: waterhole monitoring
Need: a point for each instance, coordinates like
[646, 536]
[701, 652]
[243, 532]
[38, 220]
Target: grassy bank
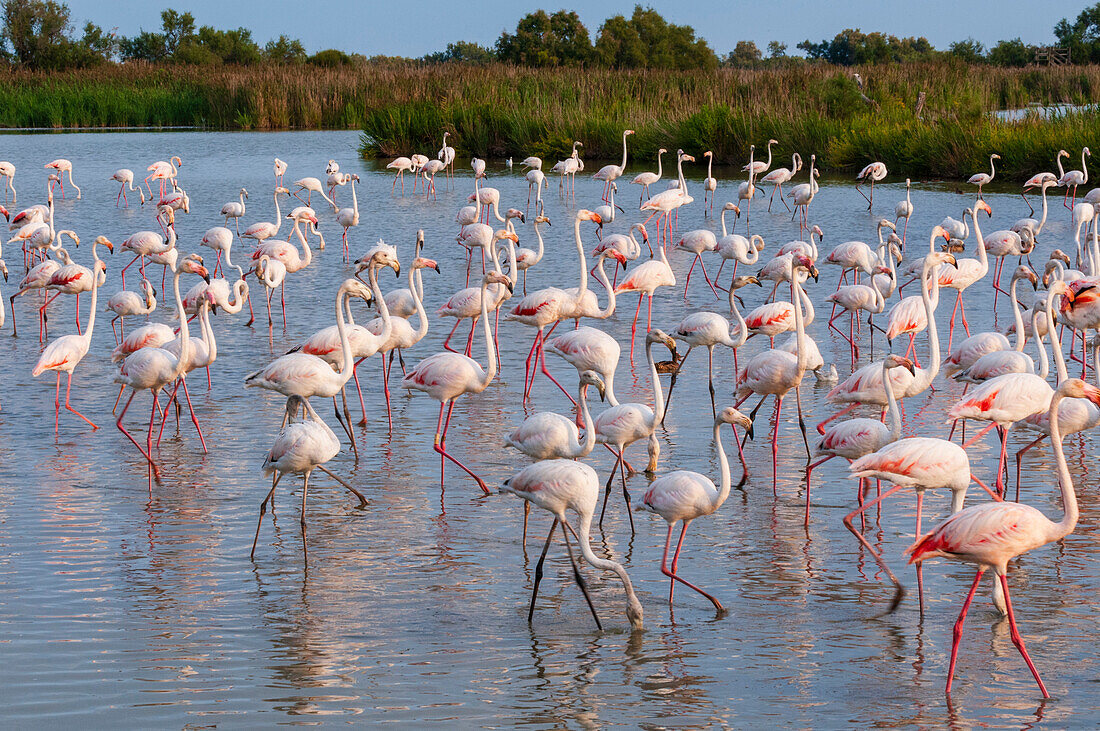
[501, 111]
[507, 111]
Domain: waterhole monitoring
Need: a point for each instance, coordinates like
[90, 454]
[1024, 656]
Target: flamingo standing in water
[624, 424]
[7, 173]
[1072, 178]
[300, 448]
[647, 178]
[312, 185]
[153, 368]
[610, 173]
[161, 171]
[775, 372]
[710, 185]
[904, 209]
[645, 279]
[556, 486]
[126, 177]
[280, 170]
[61, 165]
[803, 195]
[966, 272]
[349, 217]
[684, 496]
[127, 304]
[264, 230]
[782, 175]
[874, 172]
[981, 179]
[65, 353]
[235, 210]
[446, 376]
[992, 534]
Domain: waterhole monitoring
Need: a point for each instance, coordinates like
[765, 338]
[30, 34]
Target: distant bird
[61, 165]
[647, 178]
[124, 176]
[235, 210]
[610, 173]
[874, 172]
[981, 179]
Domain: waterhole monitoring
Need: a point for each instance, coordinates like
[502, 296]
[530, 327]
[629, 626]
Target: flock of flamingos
[1006, 386]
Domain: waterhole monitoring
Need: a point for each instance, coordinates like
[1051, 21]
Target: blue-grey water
[123, 607]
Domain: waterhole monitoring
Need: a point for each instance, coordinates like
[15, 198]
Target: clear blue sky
[416, 27]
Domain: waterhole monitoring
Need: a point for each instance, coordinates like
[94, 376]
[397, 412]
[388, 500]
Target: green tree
[853, 47]
[1082, 36]
[285, 50]
[329, 58]
[227, 46]
[1011, 53]
[37, 33]
[744, 55]
[177, 28]
[647, 40]
[462, 52]
[145, 46]
[95, 46]
[970, 51]
[546, 40]
[619, 45]
[777, 49]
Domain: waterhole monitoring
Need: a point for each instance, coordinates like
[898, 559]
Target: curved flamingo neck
[724, 212]
[418, 303]
[1059, 359]
[992, 170]
[1084, 170]
[1016, 316]
[307, 253]
[623, 166]
[589, 443]
[1069, 497]
[768, 164]
[383, 310]
[601, 277]
[983, 255]
[1043, 220]
[207, 333]
[542, 246]
[580, 253]
[346, 370]
[490, 346]
[724, 464]
[278, 215]
[1044, 362]
[95, 295]
[891, 404]
[927, 376]
[658, 393]
[660, 170]
[355, 199]
[583, 530]
[742, 326]
[803, 357]
[185, 333]
[1061, 170]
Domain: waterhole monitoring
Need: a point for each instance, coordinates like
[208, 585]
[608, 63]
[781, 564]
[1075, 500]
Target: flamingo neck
[347, 369]
[1044, 362]
[658, 393]
[601, 277]
[589, 443]
[768, 164]
[927, 376]
[710, 166]
[623, 166]
[307, 253]
[383, 310]
[983, 256]
[207, 333]
[278, 215]
[1059, 359]
[1017, 317]
[1084, 170]
[891, 404]
[1069, 497]
[1043, 220]
[490, 346]
[542, 247]
[799, 325]
[634, 607]
[354, 199]
[583, 260]
[95, 295]
[185, 333]
[1061, 170]
[418, 302]
[742, 326]
[659, 169]
[992, 170]
[723, 462]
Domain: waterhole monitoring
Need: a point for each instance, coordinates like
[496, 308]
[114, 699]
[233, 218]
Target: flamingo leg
[538, 569]
[634, 326]
[68, 388]
[809, 473]
[1017, 640]
[577, 575]
[358, 390]
[607, 485]
[263, 511]
[118, 423]
[957, 633]
[441, 447]
[386, 388]
[1019, 455]
[899, 590]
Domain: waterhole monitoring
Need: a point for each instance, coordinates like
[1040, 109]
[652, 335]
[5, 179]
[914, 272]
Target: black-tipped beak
[750, 432]
[206, 277]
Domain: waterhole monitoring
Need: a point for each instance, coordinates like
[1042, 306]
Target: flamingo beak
[1092, 393]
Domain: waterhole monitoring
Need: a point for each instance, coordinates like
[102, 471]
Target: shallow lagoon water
[117, 606]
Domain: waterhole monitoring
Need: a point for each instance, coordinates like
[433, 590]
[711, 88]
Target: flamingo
[478, 166]
[402, 336]
[967, 271]
[1073, 178]
[697, 242]
[7, 172]
[260, 232]
[1043, 181]
[126, 177]
[776, 318]
[904, 209]
[349, 217]
[782, 175]
[992, 534]
[526, 258]
[556, 486]
[301, 447]
[235, 210]
[610, 173]
[734, 246]
[313, 185]
[65, 353]
[305, 375]
[981, 179]
[536, 179]
[61, 165]
[645, 279]
[747, 191]
[126, 303]
[666, 201]
[400, 301]
[710, 184]
[606, 213]
[447, 375]
[286, 252]
[759, 167]
[708, 330]
[429, 171]
[153, 368]
[272, 274]
[418, 163]
[447, 155]
[626, 423]
[145, 243]
[201, 354]
[161, 171]
[647, 178]
[854, 298]
[776, 372]
[401, 165]
[219, 239]
[803, 195]
[874, 172]
[857, 438]
[465, 304]
[547, 435]
[684, 496]
[37, 278]
[75, 278]
[280, 170]
[1004, 360]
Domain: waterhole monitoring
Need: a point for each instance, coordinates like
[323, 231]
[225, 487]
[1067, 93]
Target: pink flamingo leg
[118, 423]
[386, 388]
[68, 388]
[441, 447]
[194, 419]
[809, 473]
[899, 590]
[671, 573]
[958, 631]
[1018, 640]
[362, 407]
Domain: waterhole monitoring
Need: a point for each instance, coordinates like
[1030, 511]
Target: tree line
[39, 34]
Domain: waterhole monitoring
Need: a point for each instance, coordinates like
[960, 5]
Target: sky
[417, 27]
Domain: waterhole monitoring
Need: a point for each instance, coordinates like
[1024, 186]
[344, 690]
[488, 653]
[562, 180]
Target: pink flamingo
[645, 179]
[874, 172]
[857, 438]
[684, 496]
[146, 243]
[624, 424]
[667, 201]
[37, 278]
[776, 372]
[782, 175]
[446, 376]
[280, 170]
[1072, 178]
[312, 185]
[967, 271]
[153, 368]
[981, 179]
[349, 217]
[610, 173]
[126, 177]
[75, 278]
[61, 165]
[556, 486]
[301, 447]
[697, 242]
[235, 210]
[993, 534]
[162, 171]
[63, 354]
[126, 303]
[260, 232]
[645, 279]
[7, 173]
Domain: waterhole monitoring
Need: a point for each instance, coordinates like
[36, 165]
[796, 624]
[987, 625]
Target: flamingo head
[504, 234]
[994, 156]
[616, 255]
[730, 415]
[498, 278]
[1059, 287]
[516, 213]
[1063, 153]
[7, 216]
[421, 262]
[897, 361]
[883, 223]
[687, 158]
[244, 192]
[983, 206]
[744, 281]
[895, 241]
[817, 230]
[708, 153]
[102, 241]
[1024, 272]
[193, 265]
[942, 257]
[939, 232]
[660, 336]
[801, 261]
[591, 378]
[1076, 388]
[280, 189]
[356, 288]
[176, 159]
[4, 269]
[1087, 152]
[542, 219]
[1060, 256]
[586, 215]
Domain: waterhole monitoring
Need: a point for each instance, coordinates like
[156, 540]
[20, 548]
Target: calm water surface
[117, 607]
